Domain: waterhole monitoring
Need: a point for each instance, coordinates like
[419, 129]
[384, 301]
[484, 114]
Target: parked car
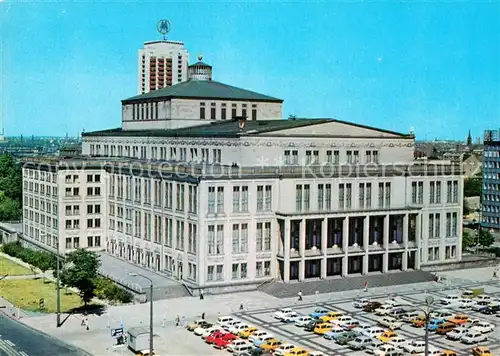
[361, 327]
[257, 335]
[433, 324]
[457, 333]
[223, 341]
[491, 309]
[233, 344]
[290, 318]
[349, 324]
[211, 330]
[196, 324]
[302, 321]
[202, 328]
[442, 314]
[473, 337]
[410, 315]
[386, 350]
[270, 345]
[223, 320]
[332, 315]
[451, 299]
[236, 329]
[387, 336]
[344, 338]
[282, 313]
[466, 303]
[483, 327]
[481, 351]
[415, 346]
[398, 341]
[445, 328]
[318, 313]
[479, 305]
[216, 335]
[310, 326]
[373, 331]
[373, 346]
[390, 323]
[263, 339]
[372, 306]
[360, 303]
[334, 331]
[459, 319]
[384, 309]
[284, 349]
[359, 343]
[247, 332]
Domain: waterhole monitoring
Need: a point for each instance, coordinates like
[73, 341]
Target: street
[17, 339]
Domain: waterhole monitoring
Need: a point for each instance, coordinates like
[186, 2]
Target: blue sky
[433, 66]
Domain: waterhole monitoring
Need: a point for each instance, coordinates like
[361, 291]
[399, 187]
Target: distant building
[162, 64]
[491, 180]
[472, 165]
[200, 70]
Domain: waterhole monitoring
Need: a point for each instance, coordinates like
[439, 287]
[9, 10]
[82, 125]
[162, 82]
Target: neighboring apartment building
[216, 190]
[161, 64]
[491, 180]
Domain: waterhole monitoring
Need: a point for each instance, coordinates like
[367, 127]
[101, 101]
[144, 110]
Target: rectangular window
[244, 110]
[431, 226]
[220, 200]
[454, 224]
[449, 191]
[211, 240]
[236, 199]
[432, 192]
[259, 237]
[455, 191]
[211, 199]
[348, 196]
[387, 195]
[244, 238]
[321, 196]
[341, 196]
[212, 111]
[328, 197]
[260, 198]
[361, 195]
[420, 193]
[349, 157]
[254, 112]
[233, 111]
[223, 112]
[244, 198]
[437, 222]
[368, 202]
[267, 198]
[220, 240]
[381, 195]
[202, 111]
[438, 193]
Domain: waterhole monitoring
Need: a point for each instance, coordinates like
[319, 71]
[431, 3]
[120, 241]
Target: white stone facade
[163, 114]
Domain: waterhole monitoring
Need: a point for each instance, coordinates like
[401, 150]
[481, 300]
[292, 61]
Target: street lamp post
[150, 309]
[58, 288]
[427, 312]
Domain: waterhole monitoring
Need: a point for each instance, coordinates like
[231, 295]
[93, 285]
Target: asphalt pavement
[17, 339]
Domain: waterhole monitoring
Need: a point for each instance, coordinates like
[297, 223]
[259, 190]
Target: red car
[223, 341]
[210, 339]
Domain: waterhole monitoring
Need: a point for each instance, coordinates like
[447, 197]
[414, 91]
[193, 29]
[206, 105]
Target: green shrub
[107, 289]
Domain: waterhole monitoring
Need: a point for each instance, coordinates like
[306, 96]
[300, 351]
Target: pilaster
[366, 242]
[385, 259]
[324, 239]
[302, 250]
[345, 245]
[405, 242]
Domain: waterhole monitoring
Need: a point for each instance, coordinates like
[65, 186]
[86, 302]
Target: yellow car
[387, 336]
[196, 324]
[481, 351]
[418, 322]
[270, 345]
[297, 352]
[332, 315]
[323, 328]
[247, 332]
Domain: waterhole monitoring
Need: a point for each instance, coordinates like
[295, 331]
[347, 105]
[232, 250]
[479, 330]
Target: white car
[260, 334]
[290, 318]
[302, 321]
[483, 327]
[433, 351]
[284, 349]
[397, 302]
[361, 327]
[208, 331]
[374, 331]
[484, 297]
[473, 337]
[390, 323]
[238, 327]
[409, 316]
[444, 314]
[384, 350]
[414, 347]
[360, 303]
[316, 353]
[480, 304]
[236, 343]
[223, 320]
[466, 303]
[200, 331]
[457, 333]
[282, 313]
[451, 299]
[231, 324]
[398, 341]
[341, 319]
[384, 309]
[470, 323]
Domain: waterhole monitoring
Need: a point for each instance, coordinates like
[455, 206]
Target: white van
[223, 320]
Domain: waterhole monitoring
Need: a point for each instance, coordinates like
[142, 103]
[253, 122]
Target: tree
[473, 186]
[486, 238]
[467, 240]
[45, 262]
[82, 273]
[466, 207]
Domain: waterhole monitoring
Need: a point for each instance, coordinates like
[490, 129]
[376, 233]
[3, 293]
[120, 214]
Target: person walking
[203, 316]
[300, 295]
[201, 295]
[177, 320]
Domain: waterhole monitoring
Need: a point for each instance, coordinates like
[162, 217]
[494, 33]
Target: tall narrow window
[233, 111]
[212, 111]
[254, 112]
[223, 112]
[244, 110]
[202, 111]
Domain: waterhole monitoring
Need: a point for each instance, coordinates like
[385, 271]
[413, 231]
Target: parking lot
[263, 319]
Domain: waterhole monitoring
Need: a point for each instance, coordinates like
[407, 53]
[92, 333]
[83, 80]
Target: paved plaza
[172, 340]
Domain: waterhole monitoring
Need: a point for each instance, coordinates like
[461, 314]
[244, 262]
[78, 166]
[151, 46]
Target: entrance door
[157, 262]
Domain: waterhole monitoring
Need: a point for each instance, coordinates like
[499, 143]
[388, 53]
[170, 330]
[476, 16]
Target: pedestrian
[177, 320]
[83, 318]
[201, 295]
[203, 316]
[87, 323]
[241, 306]
[300, 295]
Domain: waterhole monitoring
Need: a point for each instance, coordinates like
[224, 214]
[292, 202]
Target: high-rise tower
[162, 63]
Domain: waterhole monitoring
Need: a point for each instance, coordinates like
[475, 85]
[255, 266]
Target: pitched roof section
[204, 89]
[215, 129]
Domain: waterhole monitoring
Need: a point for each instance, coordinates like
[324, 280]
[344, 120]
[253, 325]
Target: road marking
[10, 343]
[22, 353]
[4, 346]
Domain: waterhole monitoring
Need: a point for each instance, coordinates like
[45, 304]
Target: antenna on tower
[163, 27]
